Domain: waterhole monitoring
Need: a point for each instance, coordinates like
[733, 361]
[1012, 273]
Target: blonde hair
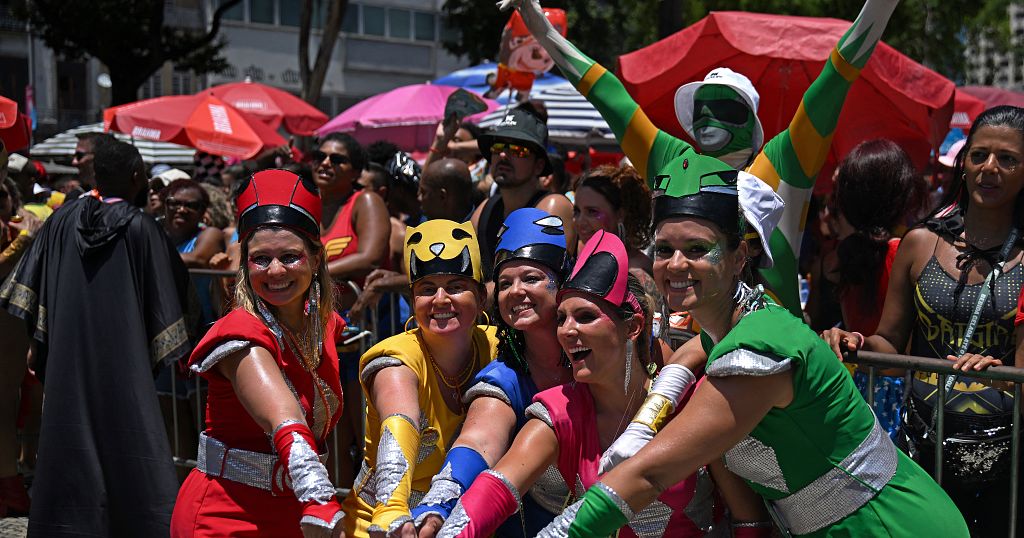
[246, 298]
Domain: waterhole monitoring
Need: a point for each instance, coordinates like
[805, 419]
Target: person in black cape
[102, 291]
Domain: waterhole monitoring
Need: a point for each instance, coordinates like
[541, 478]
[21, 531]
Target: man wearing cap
[720, 113]
[104, 306]
[517, 147]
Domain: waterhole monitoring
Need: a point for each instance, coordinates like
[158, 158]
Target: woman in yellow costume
[413, 382]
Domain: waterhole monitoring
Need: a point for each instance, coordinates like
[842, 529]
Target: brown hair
[624, 189]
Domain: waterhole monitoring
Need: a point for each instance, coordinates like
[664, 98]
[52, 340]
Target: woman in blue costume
[530, 264]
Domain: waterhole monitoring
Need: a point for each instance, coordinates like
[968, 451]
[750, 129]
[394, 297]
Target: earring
[486, 317]
[407, 323]
[629, 365]
[622, 231]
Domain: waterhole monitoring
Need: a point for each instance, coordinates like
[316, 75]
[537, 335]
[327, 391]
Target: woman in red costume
[274, 392]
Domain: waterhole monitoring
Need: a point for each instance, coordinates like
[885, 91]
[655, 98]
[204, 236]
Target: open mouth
[578, 353]
[279, 286]
[442, 316]
[681, 284]
[521, 307]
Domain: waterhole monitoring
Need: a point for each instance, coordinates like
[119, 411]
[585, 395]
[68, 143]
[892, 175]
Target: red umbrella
[272, 106]
[19, 135]
[200, 121]
[966, 107]
[895, 97]
[8, 112]
[993, 96]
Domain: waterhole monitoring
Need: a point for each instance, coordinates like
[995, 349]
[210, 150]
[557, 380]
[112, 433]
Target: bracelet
[654, 411]
[19, 244]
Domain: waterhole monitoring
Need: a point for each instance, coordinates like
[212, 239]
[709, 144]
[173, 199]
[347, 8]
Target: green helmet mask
[723, 124]
[695, 185]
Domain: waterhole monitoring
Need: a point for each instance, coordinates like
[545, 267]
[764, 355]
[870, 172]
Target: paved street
[13, 527]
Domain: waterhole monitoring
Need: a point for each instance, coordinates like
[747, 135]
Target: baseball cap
[949, 159]
[520, 126]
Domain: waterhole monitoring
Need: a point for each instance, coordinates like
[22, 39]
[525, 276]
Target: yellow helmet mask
[442, 247]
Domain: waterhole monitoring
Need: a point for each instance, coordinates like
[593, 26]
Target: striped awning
[571, 118]
[62, 147]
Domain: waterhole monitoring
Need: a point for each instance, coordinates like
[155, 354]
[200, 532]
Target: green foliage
[128, 36]
[936, 33]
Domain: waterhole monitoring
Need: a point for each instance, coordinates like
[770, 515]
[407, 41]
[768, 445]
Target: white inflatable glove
[666, 393]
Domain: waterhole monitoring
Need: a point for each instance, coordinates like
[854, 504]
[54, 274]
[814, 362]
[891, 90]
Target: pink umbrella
[406, 116]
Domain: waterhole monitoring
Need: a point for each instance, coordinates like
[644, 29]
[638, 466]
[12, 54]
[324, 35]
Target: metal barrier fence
[944, 369]
[366, 337]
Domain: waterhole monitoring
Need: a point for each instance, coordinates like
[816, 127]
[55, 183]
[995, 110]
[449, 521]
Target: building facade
[383, 44]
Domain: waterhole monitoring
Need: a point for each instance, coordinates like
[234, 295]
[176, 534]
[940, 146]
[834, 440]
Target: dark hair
[93, 138]
[876, 188]
[998, 116]
[182, 184]
[381, 178]
[356, 153]
[561, 183]
[472, 128]
[381, 152]
[624, 189]
[302, 170]
[115, 163]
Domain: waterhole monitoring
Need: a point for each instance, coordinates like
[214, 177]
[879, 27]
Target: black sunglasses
[174, 205]
[337, 159]
[727, 110]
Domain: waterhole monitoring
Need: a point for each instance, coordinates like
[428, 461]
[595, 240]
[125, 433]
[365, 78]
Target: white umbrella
[152, 152]
[571, 118]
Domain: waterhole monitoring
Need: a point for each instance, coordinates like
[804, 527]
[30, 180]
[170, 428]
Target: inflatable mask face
[442, 247]
[532, 234]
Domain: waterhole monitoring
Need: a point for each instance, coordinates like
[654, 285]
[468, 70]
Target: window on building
[425, 27]
[234, 13]
[373, 20]
[181, 82]
[399, 23]
[291, 12]
[261, 11]
[153, 87]
[351, 23]
[449, 33]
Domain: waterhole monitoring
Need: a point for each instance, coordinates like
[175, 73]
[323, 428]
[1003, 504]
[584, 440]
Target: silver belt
[250, 468]
[844, 489]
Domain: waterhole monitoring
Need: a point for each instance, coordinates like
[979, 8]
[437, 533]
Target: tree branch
[305, 21]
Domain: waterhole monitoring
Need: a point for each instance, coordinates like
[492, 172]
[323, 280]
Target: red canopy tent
[895, 97]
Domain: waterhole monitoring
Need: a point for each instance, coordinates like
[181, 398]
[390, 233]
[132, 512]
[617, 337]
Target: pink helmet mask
[601, 269]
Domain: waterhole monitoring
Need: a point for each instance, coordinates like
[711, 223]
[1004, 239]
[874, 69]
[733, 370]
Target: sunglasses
[80, 154]
[1005, 162]
[726, 110]
[175, 205]
[337, 159]
[512, 150]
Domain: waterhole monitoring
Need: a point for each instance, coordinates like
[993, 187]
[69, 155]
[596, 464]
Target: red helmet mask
[279, 198]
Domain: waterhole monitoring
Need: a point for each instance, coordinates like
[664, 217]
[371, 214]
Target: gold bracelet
[654, 411]
[19, 244]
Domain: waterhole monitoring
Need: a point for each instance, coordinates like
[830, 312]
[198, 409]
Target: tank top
[340, 239]
[939, 330]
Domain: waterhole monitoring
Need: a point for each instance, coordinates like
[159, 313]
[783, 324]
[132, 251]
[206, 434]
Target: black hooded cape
[102, 291]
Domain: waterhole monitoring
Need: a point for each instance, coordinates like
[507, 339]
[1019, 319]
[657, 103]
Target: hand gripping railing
[944, 368]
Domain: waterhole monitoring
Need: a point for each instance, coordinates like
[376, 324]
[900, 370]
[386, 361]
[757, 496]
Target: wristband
[485, 506]
[461, 467]
[300, 472]
[602, 513]
[654, 411]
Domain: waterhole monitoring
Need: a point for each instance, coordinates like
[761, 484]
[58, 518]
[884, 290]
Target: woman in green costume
[775, 403]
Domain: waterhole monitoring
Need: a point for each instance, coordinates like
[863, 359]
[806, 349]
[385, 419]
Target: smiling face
[280, 267]
[446, 304]
[693, 267]
[526, 295]
[593, 337]
[334, 178]
[592, 212]
[994, 166]
[183, 211]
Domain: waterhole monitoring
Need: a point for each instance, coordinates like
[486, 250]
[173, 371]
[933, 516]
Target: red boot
[13, 496]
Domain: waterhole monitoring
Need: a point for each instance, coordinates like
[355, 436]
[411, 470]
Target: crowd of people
[622, 351]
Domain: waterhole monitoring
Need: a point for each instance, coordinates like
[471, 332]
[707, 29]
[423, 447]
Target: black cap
[520, 126]
[403, 170]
